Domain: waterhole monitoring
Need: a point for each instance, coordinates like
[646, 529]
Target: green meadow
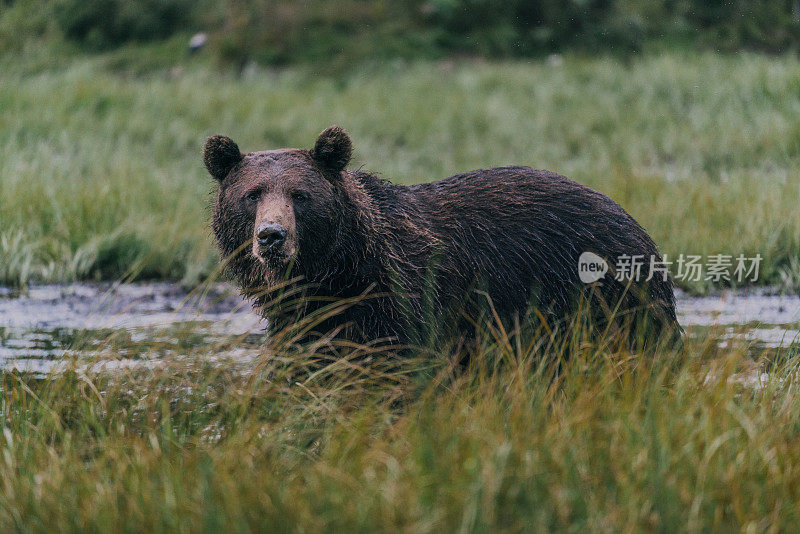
[101, 179]
[100, 174]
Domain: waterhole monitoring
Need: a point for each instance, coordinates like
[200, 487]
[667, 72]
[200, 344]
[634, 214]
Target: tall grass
[528, 436]
[100, 174]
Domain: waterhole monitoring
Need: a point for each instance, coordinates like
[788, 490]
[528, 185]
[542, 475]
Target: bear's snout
[270, 236]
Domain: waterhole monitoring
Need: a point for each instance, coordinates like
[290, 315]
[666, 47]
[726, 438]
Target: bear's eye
[253, 195]
[300, 196]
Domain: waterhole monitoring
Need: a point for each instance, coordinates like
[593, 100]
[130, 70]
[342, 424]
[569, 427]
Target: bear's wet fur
[294, 224]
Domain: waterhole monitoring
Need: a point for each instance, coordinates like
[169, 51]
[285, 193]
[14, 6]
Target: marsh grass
[532, 433]
[100, 174]
[100, 177]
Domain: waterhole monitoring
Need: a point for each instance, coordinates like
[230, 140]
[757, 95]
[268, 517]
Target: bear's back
[521, 231]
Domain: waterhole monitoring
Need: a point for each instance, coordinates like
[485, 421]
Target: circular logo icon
[591, 267]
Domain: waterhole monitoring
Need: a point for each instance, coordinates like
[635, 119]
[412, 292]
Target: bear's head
[276, 208]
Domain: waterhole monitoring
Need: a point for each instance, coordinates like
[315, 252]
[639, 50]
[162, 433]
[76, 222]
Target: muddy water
[139, 324]
[121, 325]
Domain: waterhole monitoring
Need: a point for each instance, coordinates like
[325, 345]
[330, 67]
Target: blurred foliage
[283, 31]
[21, 21]
[520, 27]
[517, 27]
[279, 32]
[102, 24]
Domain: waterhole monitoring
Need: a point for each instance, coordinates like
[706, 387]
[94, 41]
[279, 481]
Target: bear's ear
[333, 149]
[220, 154]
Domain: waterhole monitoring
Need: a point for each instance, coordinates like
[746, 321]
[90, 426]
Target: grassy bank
[294, 442]
[100, 174]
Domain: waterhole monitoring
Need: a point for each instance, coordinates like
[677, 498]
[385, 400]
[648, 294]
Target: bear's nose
[270, 235]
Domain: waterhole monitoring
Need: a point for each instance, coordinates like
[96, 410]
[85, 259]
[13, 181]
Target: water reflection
[139, 324]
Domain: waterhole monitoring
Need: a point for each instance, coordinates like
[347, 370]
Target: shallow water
[48, 327]
[761, 316]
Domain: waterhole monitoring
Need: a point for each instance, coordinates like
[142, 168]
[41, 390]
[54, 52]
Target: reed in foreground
[532, 433]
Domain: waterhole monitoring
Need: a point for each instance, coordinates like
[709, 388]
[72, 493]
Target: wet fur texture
[443, 250]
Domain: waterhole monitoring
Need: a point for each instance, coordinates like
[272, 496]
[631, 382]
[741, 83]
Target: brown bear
[304, 237]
